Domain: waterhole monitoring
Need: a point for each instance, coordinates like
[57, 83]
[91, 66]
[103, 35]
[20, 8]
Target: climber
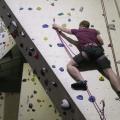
[89, 43]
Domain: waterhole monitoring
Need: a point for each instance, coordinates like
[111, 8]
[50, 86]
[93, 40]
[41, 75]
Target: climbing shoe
[81, 85]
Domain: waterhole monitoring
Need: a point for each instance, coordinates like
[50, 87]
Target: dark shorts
[93, 53]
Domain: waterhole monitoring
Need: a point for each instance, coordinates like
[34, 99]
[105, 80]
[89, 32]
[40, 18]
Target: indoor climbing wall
[40, 44]
[34, 102]
[6, 40]
[114, 24]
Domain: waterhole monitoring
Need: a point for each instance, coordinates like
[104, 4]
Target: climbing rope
[91, 98]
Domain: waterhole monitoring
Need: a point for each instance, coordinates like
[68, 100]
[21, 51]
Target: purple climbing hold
[61, 69]
[80, 97]
[92, 98]
[60, 44]
[45, 26]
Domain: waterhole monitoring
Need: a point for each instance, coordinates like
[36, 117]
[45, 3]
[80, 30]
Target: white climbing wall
[6, 40]
[36, 18]
[34, 102]
[113, 19]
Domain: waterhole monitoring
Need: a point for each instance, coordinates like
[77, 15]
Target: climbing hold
[21, 8]
[72, 9]
[30, 105]
[60, 14]
[9, 15]
[45, 38]
[53, 66]
[52, 4]
[36, 55]
[113, 20]
[24, 80]
[110, 45]
[101, 78]
[92, 25]
[35, 92]
[43, 71]
[92, 98]
[65, 104]
[81, 9]
[45, 26]
[60, 44]
[54, 84]
[80, 97]
[69, 14]
[33, 110]
[38, 8]
[50, 45]
[29, 8]
[111, 26]
[33, 79]
[64, 25]
[69, 20]
[32, 49]
[30, 53]
[61, 69]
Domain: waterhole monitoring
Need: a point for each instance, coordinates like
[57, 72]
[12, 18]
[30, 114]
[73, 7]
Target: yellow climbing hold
[101, 78]
[39, 8]
[64, 25]
[45, 38]
[69, 14]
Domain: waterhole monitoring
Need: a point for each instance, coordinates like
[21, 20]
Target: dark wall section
[11, 71]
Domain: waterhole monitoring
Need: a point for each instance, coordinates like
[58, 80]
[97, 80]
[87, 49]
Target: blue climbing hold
[60, 44]
[92, 98]
[80, 97]
[61, 69]
[45, 26]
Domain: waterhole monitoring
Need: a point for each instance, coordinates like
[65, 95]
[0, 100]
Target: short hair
[84, 23]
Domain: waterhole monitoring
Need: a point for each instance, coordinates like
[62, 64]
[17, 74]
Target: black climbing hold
[53, 66]
[50, 45]
[30, 53]
[43, 71]
[54, 84]
[30, 105]
[32, 49]
[9, 15]
[24, 80]
[35, 92]
[30, 8]
[33, 110]
[21, 45]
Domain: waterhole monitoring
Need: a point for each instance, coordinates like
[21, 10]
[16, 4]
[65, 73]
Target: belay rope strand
[69, 51]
